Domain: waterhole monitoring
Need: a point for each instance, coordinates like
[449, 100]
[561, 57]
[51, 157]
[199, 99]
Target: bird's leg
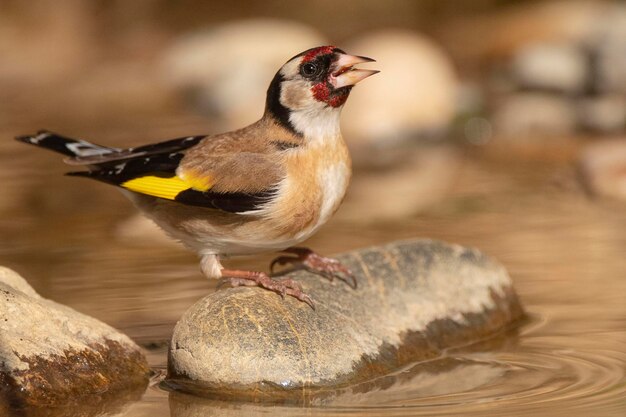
[327, 267]
[237, 278]
[212, 268]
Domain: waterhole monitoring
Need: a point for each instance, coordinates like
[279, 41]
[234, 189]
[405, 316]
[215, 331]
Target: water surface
[566, 253]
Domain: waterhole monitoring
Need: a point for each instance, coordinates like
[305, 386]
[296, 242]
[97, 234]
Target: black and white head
[308, 92]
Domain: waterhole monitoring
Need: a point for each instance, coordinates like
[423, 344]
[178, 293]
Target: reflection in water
[551, 385]
[485, 379]
[437, 377]
[454, 376]
[107, 403]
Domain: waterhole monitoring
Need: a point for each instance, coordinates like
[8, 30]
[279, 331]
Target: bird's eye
[309, 69]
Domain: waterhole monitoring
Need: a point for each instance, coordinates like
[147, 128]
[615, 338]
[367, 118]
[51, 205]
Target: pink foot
[289, 287]
[327, 267]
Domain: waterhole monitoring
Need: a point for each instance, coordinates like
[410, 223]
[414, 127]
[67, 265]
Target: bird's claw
[282, 287]
[329, 268]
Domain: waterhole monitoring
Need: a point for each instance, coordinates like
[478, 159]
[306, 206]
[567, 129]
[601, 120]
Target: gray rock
[51, 354]
[604, 114]
[213, 68]
[609, 44]
[414, 96]
[554, 67]
[414, 300]
[528, 114]
[612, 67]
[13, 279]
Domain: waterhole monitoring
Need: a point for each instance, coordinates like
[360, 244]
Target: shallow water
[566, 253]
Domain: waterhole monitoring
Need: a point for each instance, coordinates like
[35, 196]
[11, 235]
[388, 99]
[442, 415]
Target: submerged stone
[414, 300]
[52, 355]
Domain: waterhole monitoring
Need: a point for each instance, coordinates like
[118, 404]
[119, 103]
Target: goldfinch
[265, 187]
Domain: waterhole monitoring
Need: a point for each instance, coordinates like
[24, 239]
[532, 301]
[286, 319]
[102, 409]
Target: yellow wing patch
[161, 187]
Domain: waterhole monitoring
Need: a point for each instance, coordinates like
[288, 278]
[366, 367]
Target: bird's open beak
[343, 74]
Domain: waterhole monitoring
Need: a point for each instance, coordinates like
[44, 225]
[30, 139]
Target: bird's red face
[311, 88]
[331, 71]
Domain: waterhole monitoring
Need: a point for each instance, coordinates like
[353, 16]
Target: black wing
[81, 152]
[154, 162]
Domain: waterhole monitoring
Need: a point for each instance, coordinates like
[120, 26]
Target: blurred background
[499, 124]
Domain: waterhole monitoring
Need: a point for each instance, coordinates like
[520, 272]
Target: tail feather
[64, 145]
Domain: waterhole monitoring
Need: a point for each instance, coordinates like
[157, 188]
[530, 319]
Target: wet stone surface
[51, 355]
[414, 300]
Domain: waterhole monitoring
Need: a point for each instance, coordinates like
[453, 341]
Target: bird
[262, 188]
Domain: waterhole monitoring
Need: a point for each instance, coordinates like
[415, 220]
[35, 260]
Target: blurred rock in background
[224, 71]
[609, 49]
[561, 77]
[390, 124]
[413, 97]
[605, 113]
[479, 39]
[115, 72]
[561, 68]
[533, 115]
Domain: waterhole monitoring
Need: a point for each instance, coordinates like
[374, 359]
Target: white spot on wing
[119, 168]
[39, 137]
[83, 149]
